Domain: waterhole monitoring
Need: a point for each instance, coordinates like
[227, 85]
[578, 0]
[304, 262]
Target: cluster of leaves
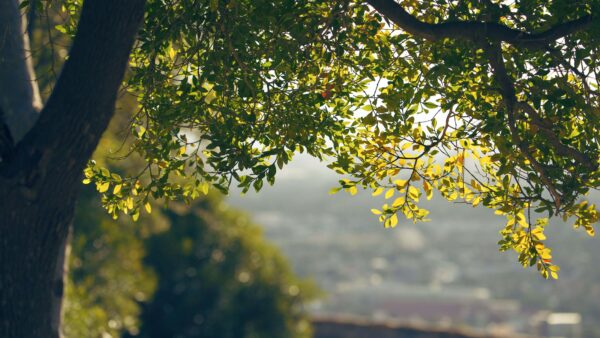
[229, 90]
[437, 120]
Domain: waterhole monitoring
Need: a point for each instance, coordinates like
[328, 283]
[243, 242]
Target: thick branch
[474, 30]
[83, 99]
[19, 94]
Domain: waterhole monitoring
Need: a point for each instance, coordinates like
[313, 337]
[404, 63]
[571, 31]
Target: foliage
[218, 278]
[230, 90]
[229, 281]
[116, 266]
[107, 278]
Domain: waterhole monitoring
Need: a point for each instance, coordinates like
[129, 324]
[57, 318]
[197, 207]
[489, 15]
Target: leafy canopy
[491, 103]
[200, 270]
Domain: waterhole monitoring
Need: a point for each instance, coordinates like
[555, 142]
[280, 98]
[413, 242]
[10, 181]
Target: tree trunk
[39, 179]
[32, 240]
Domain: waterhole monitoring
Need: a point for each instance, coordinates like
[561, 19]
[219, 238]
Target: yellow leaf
[521, 220]
[334, 191]
[210, 97]
[428, 190]
[398, 202]
[545, 254]
[378, 191]
[117, 188]
[590, 231]
[539, 235]
[391, 222]
[389, 193]
[103, 187]
[148, 207]
[172, 52]
[413, 192]
[400, 183]
[141, 131]
[376, 212]
[204, 188]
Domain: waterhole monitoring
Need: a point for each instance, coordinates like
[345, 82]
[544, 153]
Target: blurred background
[269, 264]
[444, 273]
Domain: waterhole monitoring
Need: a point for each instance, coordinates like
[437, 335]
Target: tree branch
[490, 35]
[19, 94]
[494, 53]
[474, 30]
[508, 94]
[83, 99]
[561, 149]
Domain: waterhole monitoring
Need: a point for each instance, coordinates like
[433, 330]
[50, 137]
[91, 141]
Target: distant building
[442, 307]
[557, 324]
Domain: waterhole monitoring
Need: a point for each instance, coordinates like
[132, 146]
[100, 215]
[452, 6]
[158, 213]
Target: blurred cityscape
[447, 273]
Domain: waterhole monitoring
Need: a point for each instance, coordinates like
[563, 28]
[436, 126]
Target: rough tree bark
[40, 176]
[20, 101]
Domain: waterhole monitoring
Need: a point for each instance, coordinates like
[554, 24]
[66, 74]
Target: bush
[198, 271]
[218, 277]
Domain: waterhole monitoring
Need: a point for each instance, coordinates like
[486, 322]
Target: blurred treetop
[491, 103]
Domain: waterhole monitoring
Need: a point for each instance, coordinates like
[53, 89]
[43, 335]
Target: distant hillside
[352, 328]
[368, 271]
